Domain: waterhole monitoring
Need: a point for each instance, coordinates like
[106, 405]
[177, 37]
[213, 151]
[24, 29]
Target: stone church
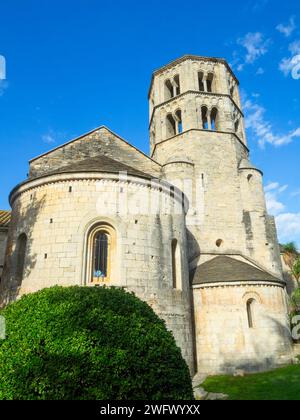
[185, 228]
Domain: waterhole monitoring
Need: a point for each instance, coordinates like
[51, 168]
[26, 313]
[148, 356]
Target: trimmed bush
[84, 343]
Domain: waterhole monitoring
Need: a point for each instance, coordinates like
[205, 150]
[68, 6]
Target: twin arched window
[209, 119]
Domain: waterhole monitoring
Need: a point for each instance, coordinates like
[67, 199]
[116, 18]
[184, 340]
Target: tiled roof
[100, 164]
[225, 269]
[4, 218]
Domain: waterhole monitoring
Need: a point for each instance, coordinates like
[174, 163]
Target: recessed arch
[209, 82]
[178, 116]
[101, 254]
[204, 117]
[168, 90]
[170, 126]
[250, 306]
[177, 84]
[214, 119]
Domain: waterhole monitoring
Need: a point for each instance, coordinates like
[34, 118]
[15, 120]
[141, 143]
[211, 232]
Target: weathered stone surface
[224, 215]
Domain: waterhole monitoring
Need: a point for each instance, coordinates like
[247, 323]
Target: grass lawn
[280, 384]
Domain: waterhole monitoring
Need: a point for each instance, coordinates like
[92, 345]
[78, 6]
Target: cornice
[202, 131]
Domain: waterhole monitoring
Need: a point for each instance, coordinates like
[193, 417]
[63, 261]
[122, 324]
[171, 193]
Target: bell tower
[194, 93]
[197, 133]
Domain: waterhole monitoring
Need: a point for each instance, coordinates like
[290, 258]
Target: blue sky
[71, 65]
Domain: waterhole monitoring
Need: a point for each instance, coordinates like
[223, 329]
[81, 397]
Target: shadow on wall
[19, 259]
[260, 358]
[194, 252]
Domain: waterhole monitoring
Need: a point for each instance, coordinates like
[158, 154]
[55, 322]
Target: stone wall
[224, 204]
[99, 142]
[3, 241]
[224, 340]
[57, 222]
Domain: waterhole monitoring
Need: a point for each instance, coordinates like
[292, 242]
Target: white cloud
[295, 193]
[49, 137]
[287, 29]
[294, 47]
[262, 128]
[260, 71]
[291, 64]
[272, 191]
[259, 5]
[255, 44]
[288, 226]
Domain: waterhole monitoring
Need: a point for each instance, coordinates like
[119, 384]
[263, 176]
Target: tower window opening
[250, 312]
[237, 126]
[178, 122]
[219, 243]
[176, 265]
[169, 92]
[201, 81]
[250, 178]
[209, 82]
[204, 114]
[177, 85]
[214, 119]
[170, 126]
[232, 91]
[101, 256]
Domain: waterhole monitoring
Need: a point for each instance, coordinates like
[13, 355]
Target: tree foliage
[89, 344]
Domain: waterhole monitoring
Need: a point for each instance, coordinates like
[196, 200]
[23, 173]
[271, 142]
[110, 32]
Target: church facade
[185, 228]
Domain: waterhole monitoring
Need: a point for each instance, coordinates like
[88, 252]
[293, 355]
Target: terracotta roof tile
[4, 218]
[225, 269]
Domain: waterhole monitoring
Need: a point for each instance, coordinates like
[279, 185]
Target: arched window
[169, 92]
[201, 81]
[209, 82]
[250, 312]
[101, 254]
[177, 84]
[214, 119]
[170, 126]
[176, 265]
[101, 257]
[178, 121]
[204, 115]
[21, 255]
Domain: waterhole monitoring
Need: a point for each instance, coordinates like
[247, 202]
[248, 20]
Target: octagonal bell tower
[197, 133]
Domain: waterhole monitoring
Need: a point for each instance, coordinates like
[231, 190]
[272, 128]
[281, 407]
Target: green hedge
[84, 343]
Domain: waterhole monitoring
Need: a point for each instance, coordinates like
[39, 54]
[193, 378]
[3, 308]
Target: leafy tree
[83, 343]
[296, 270]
